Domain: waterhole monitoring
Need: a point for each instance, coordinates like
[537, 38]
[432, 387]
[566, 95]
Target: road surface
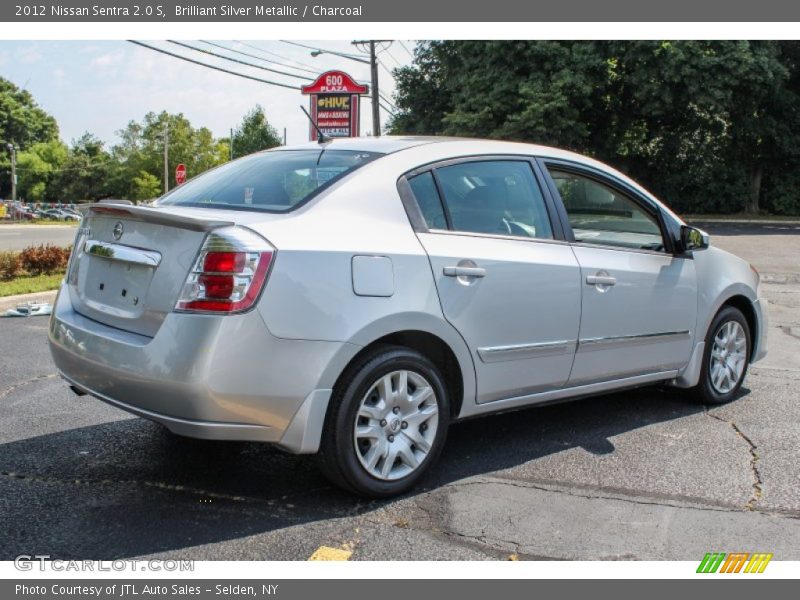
[17, 237]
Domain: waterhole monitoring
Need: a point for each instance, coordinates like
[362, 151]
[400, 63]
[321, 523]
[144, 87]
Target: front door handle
[601, 279]
[465, 272]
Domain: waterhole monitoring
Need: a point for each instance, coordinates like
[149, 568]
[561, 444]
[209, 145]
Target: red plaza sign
[335, 104]
[180, 173]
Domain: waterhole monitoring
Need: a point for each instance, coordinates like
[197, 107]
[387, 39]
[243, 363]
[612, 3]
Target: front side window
[270, 181]
[599, 214]
[499, 197]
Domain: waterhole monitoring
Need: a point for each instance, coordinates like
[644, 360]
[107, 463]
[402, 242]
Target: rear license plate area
[116, 288]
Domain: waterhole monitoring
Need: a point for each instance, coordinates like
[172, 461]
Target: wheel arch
[745, 305]
[432, 337]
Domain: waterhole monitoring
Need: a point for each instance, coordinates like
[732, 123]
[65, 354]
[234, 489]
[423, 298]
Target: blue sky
[99, 86]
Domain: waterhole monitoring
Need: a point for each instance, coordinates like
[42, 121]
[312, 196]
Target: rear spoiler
[152, 215]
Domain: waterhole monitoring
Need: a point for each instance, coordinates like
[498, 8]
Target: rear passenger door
[507, 280]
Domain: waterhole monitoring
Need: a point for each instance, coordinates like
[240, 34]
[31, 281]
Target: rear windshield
[271, 181]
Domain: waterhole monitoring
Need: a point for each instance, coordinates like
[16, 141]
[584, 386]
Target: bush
[44, 259]
[10, 265]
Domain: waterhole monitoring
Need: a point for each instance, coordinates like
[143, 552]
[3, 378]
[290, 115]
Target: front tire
[387, 423]
[726, 357]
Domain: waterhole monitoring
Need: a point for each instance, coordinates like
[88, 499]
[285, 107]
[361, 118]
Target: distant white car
[353, 298]
[35, 309]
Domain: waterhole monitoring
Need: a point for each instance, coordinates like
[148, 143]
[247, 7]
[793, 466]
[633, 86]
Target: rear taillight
[229, 272]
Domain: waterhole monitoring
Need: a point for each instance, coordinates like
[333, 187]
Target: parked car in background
[62, 215]
[354, 298]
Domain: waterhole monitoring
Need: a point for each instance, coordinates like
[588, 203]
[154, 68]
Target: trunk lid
[130, 262]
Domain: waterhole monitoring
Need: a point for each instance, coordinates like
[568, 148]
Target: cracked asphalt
[645, 474]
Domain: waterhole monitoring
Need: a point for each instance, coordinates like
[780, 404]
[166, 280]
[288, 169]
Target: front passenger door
[639, 300]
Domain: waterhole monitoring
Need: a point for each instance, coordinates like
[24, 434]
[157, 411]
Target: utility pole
[231, 143]
[373, 67]
[376, 109]
[166, 157]
[13, 150]
[284, 136]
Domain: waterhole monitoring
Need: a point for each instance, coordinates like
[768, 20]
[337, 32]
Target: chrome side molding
[521, 351]
[604, 343]
[128, 254]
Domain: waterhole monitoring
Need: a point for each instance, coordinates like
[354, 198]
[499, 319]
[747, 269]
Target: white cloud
[108, 59]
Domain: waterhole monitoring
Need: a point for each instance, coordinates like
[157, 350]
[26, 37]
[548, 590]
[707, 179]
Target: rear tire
[387, 423]
[726, 357]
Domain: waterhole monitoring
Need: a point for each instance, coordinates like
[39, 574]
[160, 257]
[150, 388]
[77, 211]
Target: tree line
[708, 126]
[48, 170]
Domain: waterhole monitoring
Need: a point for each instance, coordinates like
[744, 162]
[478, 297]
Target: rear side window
[428, 200]
[499, 197]
[271, 181]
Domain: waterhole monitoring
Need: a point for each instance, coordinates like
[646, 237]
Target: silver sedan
[353, 298]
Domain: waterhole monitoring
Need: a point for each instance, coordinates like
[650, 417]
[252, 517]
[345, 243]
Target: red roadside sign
[335, 104]
[180, 173]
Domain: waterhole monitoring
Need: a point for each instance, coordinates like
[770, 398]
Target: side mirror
[693, 238]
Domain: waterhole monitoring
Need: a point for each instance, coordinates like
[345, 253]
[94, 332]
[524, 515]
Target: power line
[385, 99]
[383, 106]
[241, 62]
[322, 49]
[274, 62]
[202, 64]
[384, 67]
[390, 55]
[411, 54]
[310, 68]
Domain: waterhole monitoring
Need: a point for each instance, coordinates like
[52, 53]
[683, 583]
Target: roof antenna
[321, 137]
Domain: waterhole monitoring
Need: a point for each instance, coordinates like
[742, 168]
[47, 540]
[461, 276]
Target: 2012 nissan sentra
[354, 298]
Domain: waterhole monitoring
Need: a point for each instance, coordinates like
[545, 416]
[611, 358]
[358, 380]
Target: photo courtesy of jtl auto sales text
[420, 299]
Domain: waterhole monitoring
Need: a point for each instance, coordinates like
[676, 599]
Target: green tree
[85, 175]
[145, 186]
[36, 168]
[142, 149]
[23, 123]
[254, 134]
[704, 124]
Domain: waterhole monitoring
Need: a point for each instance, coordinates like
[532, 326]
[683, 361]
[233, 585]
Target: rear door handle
[465, 272]
[601, 279]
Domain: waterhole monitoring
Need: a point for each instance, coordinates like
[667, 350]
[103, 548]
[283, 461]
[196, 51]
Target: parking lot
[645, 474]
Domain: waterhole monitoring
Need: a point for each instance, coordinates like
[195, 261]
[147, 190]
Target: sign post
[335, 106]
[180, 174]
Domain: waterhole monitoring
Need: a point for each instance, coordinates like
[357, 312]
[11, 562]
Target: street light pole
[13, 150]
[166, 157]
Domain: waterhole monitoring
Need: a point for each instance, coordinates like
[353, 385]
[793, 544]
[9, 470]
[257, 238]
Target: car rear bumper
[204, 376]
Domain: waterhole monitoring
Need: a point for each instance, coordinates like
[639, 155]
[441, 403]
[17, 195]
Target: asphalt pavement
[17, 237]
[645, 474]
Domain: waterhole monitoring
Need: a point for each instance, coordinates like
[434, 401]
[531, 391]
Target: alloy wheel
[728, 357]
[396, 425]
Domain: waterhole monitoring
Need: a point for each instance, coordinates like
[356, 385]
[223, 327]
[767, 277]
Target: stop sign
[180, 173]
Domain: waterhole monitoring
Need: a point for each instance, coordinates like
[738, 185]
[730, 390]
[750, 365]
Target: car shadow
[129, 488]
